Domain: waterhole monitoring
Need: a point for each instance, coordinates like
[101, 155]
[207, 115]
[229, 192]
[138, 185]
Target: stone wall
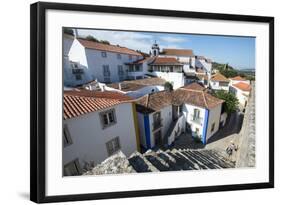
[246, 152]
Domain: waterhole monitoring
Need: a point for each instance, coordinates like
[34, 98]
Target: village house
[96, 125]
[164, 116]
[87, 60]
[242, 92]
[238, 79]
[219, 82]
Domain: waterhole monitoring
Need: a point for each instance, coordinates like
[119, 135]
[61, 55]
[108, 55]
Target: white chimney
[75, 33]
[120, 87]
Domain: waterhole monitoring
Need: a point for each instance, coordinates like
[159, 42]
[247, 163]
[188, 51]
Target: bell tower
[155, 49]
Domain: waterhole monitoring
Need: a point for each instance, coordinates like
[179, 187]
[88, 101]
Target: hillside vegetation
[229, 72]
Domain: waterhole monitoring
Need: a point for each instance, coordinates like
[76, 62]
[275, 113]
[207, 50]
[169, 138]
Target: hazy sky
[239, 52]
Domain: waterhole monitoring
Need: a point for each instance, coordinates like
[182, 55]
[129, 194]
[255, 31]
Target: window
[130, 57]
[106, 71]
[103, 54]
[157, 121]
[131, 68]
[66, 136]
[196, 114]
[137, 68]
[108, 118]
[225, 84]
[72, 168]
[78, 76]
[113, 146]
[119, 56]
[213, 127]
[120, 70]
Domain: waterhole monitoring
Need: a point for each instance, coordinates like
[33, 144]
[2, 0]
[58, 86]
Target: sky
[238, 52]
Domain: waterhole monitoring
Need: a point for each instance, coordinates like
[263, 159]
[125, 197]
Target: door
[157, 138]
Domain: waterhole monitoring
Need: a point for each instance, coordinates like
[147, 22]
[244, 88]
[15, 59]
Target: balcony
[197, 120]
[157, 124]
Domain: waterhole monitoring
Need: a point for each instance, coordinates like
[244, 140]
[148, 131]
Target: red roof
[105, 47]
[165, 61]
[219, 77]
[194, 86]
[243, 86]
[76, 103]
[238, 78]
[178, 52]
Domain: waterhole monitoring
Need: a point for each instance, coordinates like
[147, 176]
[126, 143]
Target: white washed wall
[89, 139]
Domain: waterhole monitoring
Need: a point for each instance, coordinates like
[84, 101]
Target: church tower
[155, 49]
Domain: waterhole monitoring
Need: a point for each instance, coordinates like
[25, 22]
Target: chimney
[120, 87]
[75, 33]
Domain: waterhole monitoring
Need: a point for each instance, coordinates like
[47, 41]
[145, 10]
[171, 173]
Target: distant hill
[229, 72]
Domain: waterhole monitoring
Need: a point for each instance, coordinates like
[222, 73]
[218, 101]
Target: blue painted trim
[147, 131]
[205, 128]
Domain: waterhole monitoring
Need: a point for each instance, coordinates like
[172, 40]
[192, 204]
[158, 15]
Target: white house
[242, 91]
[164, 115]
[95, 126]
[219, 82]
[169, 69]
[238, 79]
[91, 60]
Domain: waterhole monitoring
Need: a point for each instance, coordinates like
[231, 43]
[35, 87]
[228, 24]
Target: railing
[157, 124]
[197, 120]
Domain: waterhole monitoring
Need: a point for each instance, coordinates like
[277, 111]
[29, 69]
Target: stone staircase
[179, 159]
[159, 160]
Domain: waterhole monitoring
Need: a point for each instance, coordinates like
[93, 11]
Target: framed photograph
[129, 102]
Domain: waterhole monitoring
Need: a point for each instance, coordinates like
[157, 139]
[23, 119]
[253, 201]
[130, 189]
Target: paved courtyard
[220, 140]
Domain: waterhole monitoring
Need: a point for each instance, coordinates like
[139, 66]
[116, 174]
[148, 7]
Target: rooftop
[165, 61]
[76, 103]
[194, 86]
[105, 47]
[242, 86]
[133, 85]
[238, 78]
[219, 77]
[193, 95]
[178, 52]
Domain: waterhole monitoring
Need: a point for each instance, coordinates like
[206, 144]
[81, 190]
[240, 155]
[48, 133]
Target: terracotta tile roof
[219, 77]
[178, 52]
[197, 98]
[105, 47]
[156, 101]
[165, 61]
[194, 86]
[242, 86]
[133, 85]
[238, 78]
[76, 103]
[141, 61]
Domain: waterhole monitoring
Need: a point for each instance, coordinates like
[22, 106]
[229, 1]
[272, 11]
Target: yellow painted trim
[136, 125]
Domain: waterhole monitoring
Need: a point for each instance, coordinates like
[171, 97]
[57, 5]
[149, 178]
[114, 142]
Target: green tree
[168, 86]
[68, 31]
[92, 38]
[231, 102]
[105, 42]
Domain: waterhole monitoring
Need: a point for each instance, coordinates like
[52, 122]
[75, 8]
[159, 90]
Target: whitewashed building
[219, 82]
[95, 126]
[242, 91]
[238, 79]
[91, 60]
[163, 116]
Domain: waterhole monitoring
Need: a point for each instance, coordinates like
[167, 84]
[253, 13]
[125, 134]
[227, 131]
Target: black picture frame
[38, 100]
